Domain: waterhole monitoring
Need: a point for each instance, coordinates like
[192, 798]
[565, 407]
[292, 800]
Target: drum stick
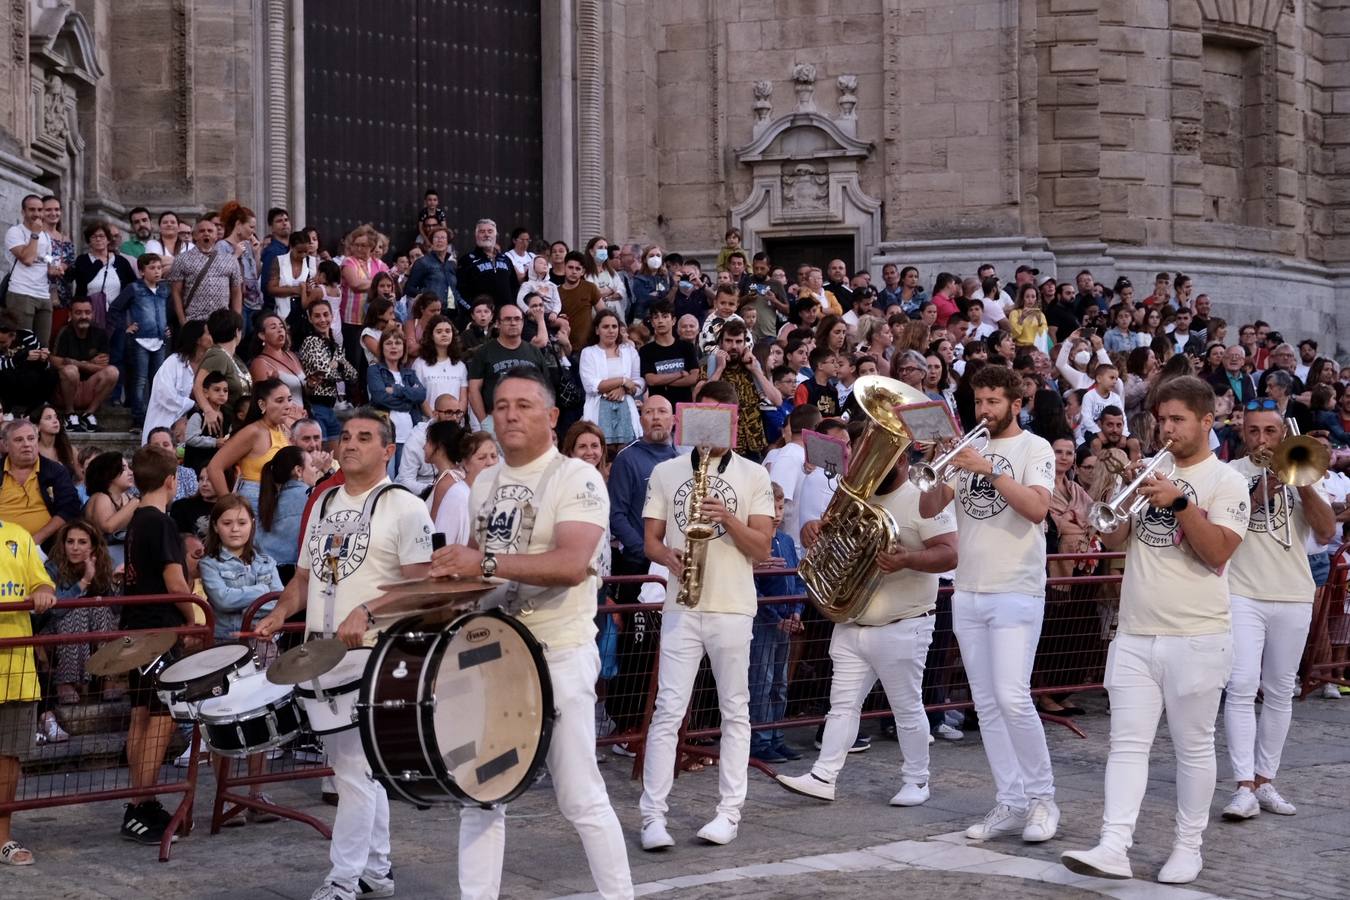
[245, 634]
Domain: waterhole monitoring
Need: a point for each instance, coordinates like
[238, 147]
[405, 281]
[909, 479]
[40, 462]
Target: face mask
[654, 262]
[601, 254]
[686, 285]
[1082, 357]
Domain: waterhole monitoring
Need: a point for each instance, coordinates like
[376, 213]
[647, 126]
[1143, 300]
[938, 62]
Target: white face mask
[601, 254]
[654, 261]
[1082, 357]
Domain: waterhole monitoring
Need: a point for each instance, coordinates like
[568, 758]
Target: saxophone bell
[698, 533]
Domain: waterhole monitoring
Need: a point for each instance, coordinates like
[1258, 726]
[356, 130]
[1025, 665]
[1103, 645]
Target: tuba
[698, 533]
[840, 571]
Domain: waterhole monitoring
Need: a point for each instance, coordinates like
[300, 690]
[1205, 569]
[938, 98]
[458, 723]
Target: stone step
[80, 751]
[94, 717]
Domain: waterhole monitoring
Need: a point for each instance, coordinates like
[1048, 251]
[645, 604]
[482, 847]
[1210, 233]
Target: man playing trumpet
[1173, 647]
[1002, 496]
[1272, 597]
[717, 617]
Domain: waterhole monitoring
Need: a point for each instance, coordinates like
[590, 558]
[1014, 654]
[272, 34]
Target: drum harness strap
[336, 541]
[507, 596]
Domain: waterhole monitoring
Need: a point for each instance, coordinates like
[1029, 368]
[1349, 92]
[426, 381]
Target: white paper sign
[706, 425]
[826, 452]
[928, 422]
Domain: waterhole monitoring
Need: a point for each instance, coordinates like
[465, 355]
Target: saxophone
[840, 570]
[698, 533]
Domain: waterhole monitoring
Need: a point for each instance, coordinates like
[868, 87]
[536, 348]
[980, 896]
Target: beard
[1000, 425]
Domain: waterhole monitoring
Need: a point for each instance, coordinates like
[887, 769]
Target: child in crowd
[1102, 394]
[798, 359]
[147, 330]
[732, 245]
[199, 444]
[820, 391]
[774, 417]
[725, 301]
[775, 623]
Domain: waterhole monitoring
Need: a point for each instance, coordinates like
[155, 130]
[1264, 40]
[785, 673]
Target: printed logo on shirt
[1279, 509]
[589, 497]
[504, 516]
[717, 487]
[1156, 527]
[348, 546]
[979, 498]
[666, 366]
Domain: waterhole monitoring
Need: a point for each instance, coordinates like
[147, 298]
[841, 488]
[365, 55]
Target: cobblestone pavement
[788, 846]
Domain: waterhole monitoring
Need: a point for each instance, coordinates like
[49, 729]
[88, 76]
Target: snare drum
[341, 686]
[459, 711]
[255, 715]
[204, 674]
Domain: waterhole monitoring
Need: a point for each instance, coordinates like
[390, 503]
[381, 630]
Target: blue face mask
[686, 285]
[601, 254]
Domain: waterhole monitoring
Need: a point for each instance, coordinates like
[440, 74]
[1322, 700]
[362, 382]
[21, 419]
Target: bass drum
[456, 709]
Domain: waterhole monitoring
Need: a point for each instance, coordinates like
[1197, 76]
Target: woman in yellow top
[254, 445]
[1026, 321]
[22, 576]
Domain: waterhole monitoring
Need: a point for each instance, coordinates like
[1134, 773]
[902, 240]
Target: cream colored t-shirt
[906, 593]
[1000, 551]
[559, 617]
[1167, 589]
[745, 488]
[400, 534]
[1261, 568]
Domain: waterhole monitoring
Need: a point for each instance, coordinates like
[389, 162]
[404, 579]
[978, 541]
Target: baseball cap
[1021, 269]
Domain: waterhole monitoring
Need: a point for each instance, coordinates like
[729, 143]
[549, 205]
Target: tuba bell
[840, 571]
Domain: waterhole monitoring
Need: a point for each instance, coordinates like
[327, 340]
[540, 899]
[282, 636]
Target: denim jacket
[282, 542]
[231, 585]
[406, 397]
[780, 585]
[149, 309]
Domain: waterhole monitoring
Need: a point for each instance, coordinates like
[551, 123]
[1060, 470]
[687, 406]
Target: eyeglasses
[1263, 404]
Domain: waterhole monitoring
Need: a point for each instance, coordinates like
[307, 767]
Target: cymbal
[404, 598]
[131, 652]
[306, 662]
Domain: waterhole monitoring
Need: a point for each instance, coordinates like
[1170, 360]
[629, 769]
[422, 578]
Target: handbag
[4, 284]
[99, 299]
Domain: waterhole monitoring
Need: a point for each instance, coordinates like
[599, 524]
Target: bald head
[657, 419]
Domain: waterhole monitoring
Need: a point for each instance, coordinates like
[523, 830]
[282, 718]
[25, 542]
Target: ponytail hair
[275, 474]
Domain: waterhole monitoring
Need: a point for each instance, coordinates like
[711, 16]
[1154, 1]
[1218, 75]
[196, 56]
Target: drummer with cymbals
[365, 533]
[540, 518]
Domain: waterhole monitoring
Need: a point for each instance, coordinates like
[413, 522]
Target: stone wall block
[1187, 170]
[1186, 103]
[1076, 28]
[1188, 202]
[1121, 40]
[972, 119]
[1185, 44]
[1077, 91]
[1122, 165]
[1069, 58]
[1150, 201]
[1073, 6]
[1077, 192]
[1122, 99]
[743, 37]
[1115, 197]
[1124, 229]
[1116, 131]
[1115, 68]
[1113, 12]
[1152, 13]
[1185, 15]
[1085, 157]
[1076, 123]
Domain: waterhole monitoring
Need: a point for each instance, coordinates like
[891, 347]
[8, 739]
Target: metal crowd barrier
[45, 782]
[1326, 659]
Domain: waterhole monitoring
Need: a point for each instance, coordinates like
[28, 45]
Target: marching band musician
[540, 519]
[739, 503]
[365, 533]
[1173, 647]
[1272, 597]
[888, 641]
[1002, 497]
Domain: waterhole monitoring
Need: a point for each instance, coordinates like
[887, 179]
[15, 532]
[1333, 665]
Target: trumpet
[927, 476]
[1297, 461]
[1109, 516]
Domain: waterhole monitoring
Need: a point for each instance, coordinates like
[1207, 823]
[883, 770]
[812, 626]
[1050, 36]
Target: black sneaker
[145, 822]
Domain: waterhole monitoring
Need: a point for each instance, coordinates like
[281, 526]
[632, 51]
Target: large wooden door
[405, 95]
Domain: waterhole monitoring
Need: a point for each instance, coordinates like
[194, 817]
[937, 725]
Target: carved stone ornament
[848, 95]
[805, 187]
[57, 98]
[763, 104]
[804, 83]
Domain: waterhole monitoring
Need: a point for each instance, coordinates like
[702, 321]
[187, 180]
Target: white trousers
[685, 636]
[861, 654]
[361, 827]
[580, 790]
[1145, 674]
[998, 634]
[1268, 641]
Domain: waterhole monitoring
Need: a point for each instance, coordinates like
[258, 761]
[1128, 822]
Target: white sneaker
[808, 785]
[931, 739]
[1331, 692]
[1182, 867]
[1002, 819]
[1272, 802]
[1042, 821]
[332, 891]
[948, 733]
[1243, 806]
[655, 836]
[1099, 862]
[911, 794]
[370, 887]
[720, 830]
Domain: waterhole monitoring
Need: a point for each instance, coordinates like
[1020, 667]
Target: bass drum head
[212, 660]
[493, 710]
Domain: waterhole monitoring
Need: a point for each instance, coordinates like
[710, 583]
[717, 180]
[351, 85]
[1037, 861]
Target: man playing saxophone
[1002, 496]
[888, 641]
[738, 503]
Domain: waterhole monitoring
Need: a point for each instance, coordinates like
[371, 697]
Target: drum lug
[409, 775]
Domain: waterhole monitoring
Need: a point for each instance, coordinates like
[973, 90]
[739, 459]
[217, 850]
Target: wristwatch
[34, 236]
[489, 565]
[997, 469]
[1180, 503]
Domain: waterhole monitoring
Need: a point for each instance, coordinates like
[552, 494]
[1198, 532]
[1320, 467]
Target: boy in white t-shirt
[1173, 648]
[1102, 394]
[786, 467]
[739, 503]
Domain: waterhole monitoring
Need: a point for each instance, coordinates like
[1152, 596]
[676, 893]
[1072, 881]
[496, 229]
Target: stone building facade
[1210, 137]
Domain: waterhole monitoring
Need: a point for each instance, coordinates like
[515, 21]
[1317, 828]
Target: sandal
[16, 854]
[67, 694]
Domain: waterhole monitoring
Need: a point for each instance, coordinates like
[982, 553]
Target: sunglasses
[1264, 404]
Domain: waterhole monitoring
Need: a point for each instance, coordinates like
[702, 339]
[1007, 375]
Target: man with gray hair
[909, 367]
[485, 270]
[1282, 359]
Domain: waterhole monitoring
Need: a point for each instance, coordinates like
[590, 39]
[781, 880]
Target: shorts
[143, 689]
[18, 729]
[327, 418]
[84, 394]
